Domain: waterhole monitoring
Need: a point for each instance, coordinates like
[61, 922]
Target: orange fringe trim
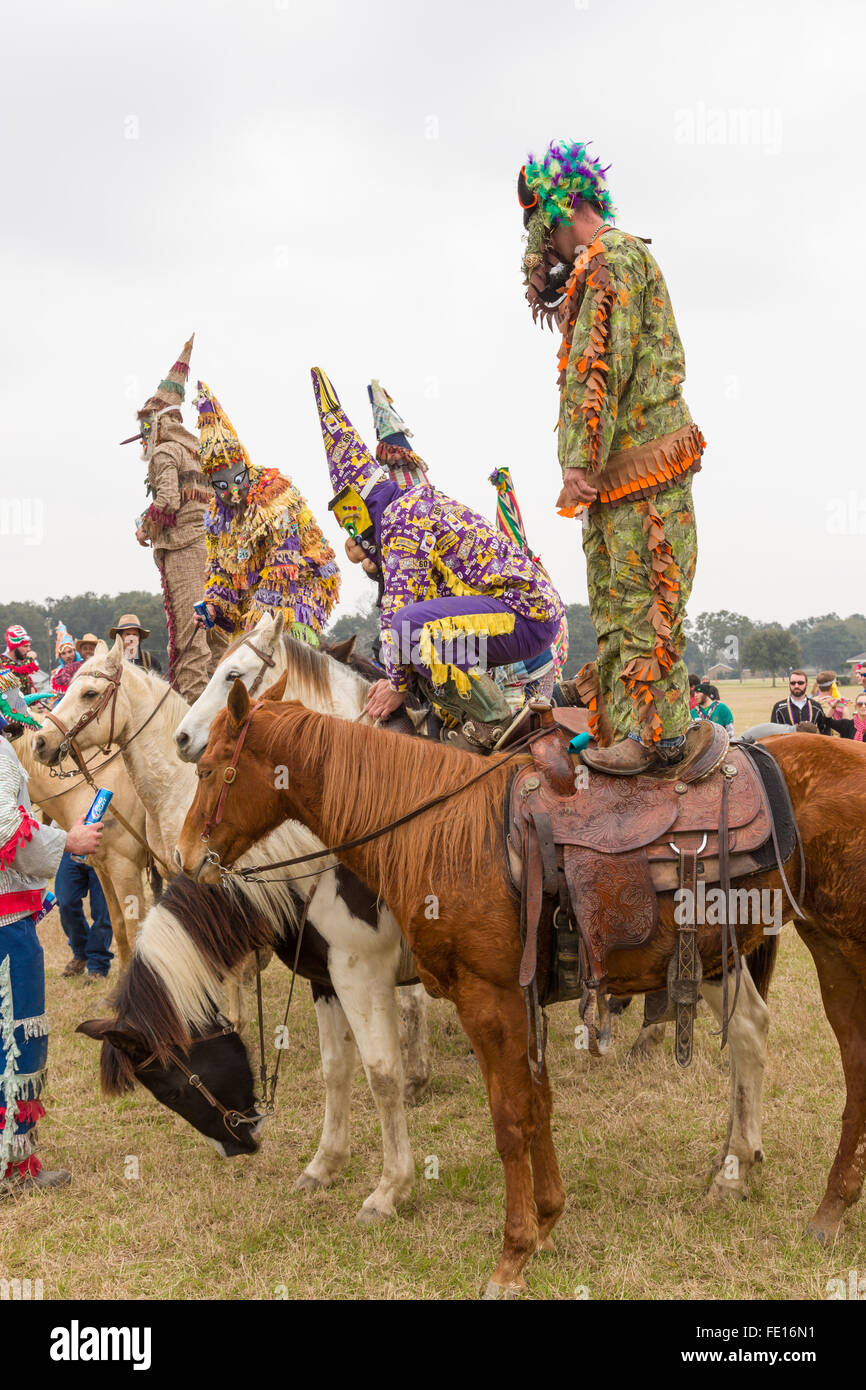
[588, 687]
[652, 467]
[591, 367]
[640, 674]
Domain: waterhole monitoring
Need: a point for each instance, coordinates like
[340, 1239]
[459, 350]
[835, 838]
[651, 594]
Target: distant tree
[771, 648]
[720, 636]
[830, 641]
[363, 624]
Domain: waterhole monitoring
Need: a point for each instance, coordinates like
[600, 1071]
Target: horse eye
[89, 695]
[233, 676]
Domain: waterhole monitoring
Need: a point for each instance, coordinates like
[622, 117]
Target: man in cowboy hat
[627, 449]
[173, 524]
[133, 636]
[86, 645]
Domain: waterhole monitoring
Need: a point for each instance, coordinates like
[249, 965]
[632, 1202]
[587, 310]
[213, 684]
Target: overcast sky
[334, 184]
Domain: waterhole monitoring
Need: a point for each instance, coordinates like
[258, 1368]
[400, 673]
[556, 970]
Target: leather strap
[230, 772]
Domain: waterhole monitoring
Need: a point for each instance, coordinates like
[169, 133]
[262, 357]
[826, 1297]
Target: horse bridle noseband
[232, 1119]
[109, 696]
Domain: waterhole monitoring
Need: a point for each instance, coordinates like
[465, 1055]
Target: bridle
[232, 1119]
[230, 772]
[267, 662]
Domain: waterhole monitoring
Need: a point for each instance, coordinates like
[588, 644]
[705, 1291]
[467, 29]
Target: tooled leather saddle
[589, 853]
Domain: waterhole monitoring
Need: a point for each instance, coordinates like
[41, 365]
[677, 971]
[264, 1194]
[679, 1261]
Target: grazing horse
[366, 953]
[469, 951]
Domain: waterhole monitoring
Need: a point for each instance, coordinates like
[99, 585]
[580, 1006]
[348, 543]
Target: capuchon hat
[128, 622]
[219, 445]
[393, 450]
[16, 635]
[171, 391]
[88, 637]
[350, 462]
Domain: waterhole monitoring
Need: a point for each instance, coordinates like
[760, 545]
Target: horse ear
[238, 705]
[278, 689]
[113, 658]
[106, 1030]
[341, 651]
[279, 624]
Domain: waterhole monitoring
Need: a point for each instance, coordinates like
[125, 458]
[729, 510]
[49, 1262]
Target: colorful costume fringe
[433, 552]
[270, 556]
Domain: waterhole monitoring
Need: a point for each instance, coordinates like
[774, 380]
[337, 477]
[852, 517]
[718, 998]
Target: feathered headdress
[219, 445]
[553, 185]
[393, 434]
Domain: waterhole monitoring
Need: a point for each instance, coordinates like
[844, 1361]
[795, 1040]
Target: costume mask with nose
[231, 485]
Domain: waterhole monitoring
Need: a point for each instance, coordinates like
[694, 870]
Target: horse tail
[762, 963]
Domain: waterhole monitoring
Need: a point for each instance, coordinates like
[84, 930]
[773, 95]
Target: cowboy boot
[629, 758]
[483, 715]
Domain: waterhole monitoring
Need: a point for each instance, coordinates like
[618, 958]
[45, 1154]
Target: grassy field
[635, 1144]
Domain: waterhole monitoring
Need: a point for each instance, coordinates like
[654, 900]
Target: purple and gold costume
[458, 594]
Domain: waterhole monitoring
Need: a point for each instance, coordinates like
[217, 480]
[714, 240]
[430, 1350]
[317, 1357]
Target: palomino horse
[470, 952]
[120, 861]
[366, 953]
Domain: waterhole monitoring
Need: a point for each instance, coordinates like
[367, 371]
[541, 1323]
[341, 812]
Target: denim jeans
[92, 944]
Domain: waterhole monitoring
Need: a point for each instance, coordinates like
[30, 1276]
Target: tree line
[767, 649]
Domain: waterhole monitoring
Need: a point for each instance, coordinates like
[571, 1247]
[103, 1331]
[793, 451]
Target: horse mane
[369, 777]
[190, 940]
[309, 668]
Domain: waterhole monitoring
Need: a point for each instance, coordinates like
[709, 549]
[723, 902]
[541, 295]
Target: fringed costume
[459, 596]
[269, 556]
[623, 421]
[29, 856]
[174, 525]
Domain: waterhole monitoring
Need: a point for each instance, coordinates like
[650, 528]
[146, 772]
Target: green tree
[720, 636]
[362, 624]
[772, 649]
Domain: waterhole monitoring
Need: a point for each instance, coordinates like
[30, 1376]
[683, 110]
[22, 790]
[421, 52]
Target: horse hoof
[546, 1244]
[824, 1234]
[417, 1094]
[371, 1216]
[503, 1290]
[720, 1194]
[307, 1183]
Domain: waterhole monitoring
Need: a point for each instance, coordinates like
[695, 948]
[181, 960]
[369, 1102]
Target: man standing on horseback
[174, 523]
[627, 448]
[458, 598]
[265, 551]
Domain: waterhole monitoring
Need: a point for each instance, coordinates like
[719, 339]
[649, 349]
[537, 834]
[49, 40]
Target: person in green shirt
[708, 705]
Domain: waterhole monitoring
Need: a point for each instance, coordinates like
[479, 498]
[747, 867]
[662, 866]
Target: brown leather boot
[628, 758]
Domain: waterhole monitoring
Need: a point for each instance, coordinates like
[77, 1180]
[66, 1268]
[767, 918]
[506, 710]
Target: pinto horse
[469, 950]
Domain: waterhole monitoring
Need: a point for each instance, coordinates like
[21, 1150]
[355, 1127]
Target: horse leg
[337, 1047]
[414, 1042]
[495, 1022]
[842, 978]
[366, 990]
[651, 1035]
[747, 1042]
[121, 883]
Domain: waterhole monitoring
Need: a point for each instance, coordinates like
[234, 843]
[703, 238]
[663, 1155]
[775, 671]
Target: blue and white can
[98, 808]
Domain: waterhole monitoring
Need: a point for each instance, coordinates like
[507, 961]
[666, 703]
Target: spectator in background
[694, 682]
[90, 942]
[855, 727]
[133, 636]
[69, 664]
[86, 645]
[20, 658]
[799, 706]
[826, 691]
[708, 705]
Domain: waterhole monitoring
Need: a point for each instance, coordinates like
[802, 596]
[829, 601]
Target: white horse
[366, 951]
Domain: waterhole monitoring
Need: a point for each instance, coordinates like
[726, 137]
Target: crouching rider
[459, 597]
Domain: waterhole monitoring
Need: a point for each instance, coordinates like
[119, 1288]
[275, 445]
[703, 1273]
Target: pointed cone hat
[350, 462]
[393, 450]
[172, 389]
[219, 446]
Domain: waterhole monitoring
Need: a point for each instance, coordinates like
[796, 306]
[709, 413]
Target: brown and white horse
[469, 951]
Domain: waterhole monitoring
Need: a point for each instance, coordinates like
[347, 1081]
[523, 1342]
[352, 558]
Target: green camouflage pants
[640, 563]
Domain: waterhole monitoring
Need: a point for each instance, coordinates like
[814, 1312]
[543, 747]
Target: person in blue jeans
[90, 943]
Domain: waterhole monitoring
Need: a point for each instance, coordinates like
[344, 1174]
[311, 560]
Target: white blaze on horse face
[191, 735]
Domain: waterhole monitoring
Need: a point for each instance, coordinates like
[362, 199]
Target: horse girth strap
[230, 772]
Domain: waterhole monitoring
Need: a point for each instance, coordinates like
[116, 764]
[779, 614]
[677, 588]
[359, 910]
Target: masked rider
[266, 553]
[458, 596]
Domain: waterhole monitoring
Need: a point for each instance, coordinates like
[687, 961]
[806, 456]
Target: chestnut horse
[445, 875]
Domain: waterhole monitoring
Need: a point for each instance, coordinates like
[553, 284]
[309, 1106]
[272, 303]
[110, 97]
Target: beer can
[98, 808]
[201, 609]
[48, 902]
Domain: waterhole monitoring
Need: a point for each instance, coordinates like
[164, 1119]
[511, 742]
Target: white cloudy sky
[334, 183]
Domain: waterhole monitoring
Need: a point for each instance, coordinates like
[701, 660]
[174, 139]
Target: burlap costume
[174, 524]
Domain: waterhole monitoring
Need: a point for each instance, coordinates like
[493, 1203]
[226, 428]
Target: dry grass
[635, 1145]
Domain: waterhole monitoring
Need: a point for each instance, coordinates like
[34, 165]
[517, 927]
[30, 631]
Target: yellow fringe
[448, 630]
